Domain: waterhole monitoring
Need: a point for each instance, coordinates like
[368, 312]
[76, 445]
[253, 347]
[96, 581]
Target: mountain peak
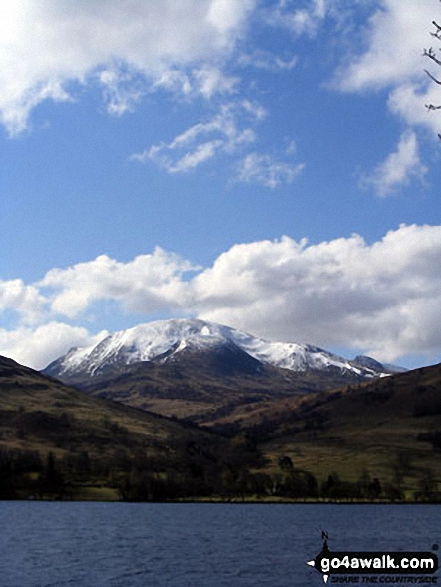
[161, 340]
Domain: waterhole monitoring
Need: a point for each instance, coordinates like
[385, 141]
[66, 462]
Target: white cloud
[211, 80]
[204, 81]
[254, 109]
[267, 61]
[409, 101]
[266, 170]
[381, 51]
[299, 20]
[122, 93]
[189, 149]
[395, 37]
[392, 58]
[26, 300]
[145, 284]
[45, 46]
[382, 298]
[37, 347]
[398, 168]
[200, 154]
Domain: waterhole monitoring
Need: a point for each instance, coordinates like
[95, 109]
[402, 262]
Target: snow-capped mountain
[166, 340]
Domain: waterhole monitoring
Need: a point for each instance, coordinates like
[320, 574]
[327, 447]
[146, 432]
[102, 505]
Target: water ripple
[192, 545]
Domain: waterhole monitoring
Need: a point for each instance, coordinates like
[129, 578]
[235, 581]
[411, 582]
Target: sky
[266, 164]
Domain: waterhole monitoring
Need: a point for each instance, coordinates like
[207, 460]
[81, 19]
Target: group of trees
[288, 483]
[188, 468]
[298, 484]
[26, 474]
[231, 477]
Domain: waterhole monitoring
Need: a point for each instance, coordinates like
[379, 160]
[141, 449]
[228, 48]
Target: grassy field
[388, 428]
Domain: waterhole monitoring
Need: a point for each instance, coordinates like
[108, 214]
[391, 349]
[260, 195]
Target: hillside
[39, 411]
[377, 440]
[389, 428]
[99, 448]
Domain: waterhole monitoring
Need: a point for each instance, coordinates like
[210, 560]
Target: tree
[286, 464]
[7, 489]
[427, 486]
[51, 480]
[432, 55]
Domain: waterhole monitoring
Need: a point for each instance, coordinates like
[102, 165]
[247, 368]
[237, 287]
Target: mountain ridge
[195, 370]
[163, 339]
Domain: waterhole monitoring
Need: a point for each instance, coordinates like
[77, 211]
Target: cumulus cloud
[203, 141]
[47, 46]
[26, 300]
[37, 347]
[391, 58]
[383, 45]
[398, 168]
[382, 298]
[411, 102]
[395, 37]
[147, 283]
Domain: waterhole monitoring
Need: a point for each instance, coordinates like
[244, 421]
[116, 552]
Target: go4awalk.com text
[386, 568]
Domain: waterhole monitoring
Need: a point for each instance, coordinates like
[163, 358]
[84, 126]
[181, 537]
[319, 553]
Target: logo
[375, 567]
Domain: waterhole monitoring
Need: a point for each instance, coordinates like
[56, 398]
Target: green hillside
[373, 441]
[58, 441]
[389, 429]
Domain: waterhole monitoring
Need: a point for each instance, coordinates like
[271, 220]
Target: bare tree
[432, 55]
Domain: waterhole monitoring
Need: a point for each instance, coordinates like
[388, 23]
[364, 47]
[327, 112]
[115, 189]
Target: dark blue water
[194, 545]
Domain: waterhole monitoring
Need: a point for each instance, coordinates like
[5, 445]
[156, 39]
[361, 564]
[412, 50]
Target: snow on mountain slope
[163, 339]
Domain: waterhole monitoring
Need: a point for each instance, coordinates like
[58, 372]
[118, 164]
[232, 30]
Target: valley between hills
[190, 410]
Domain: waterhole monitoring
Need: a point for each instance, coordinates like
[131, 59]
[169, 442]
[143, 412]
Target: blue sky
[265, 164]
